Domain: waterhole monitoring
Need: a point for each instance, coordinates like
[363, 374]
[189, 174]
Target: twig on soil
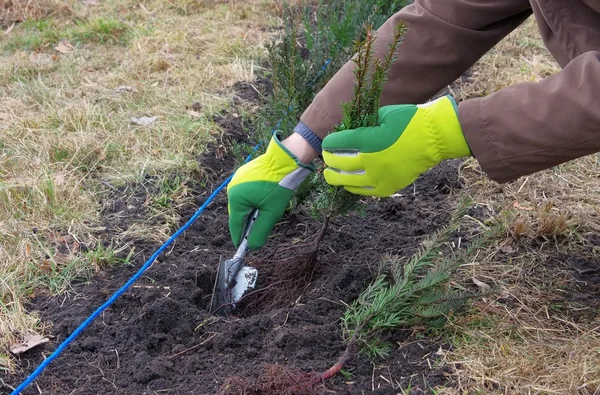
[6, 385]
[110, 382]
[194, 347]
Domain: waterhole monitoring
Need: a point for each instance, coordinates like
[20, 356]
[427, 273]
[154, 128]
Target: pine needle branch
[417, 293]
[370, 76]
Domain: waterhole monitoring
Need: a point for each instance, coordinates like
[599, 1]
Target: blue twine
[148, 263]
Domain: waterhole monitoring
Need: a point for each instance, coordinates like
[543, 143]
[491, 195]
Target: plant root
[282, 380]
[286, 278]
[348, 354]
[276, 379]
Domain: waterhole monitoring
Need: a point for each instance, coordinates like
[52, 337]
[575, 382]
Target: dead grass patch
[539, 333]
[14, 11]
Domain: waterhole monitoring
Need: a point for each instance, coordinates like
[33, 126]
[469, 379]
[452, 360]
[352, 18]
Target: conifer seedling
[406, 294]
[370, 74]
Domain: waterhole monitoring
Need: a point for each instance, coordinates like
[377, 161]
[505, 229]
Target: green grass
[170, 188]
[59, 270]
[39, 35]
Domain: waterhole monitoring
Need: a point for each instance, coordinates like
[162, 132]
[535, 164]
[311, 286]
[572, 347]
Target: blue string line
[148, 263]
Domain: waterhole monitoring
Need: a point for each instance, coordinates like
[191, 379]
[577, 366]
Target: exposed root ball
[281, 281]
[276, 379]
[285, 279]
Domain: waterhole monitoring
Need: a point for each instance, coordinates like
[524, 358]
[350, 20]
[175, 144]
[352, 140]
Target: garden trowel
[234, 279]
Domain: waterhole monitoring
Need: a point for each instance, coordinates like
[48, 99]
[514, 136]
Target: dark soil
[580, 300]
[157, 338]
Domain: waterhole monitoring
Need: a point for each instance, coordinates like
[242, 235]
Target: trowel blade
[244, 282]
[228, 289]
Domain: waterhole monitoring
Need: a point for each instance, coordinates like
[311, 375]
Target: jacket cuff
[481, 140]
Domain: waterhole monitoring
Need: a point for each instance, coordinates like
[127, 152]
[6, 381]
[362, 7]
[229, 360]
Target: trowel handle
[243, 248]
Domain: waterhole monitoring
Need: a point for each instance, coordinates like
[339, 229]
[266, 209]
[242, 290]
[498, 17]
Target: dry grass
[540, 332]
[14, 11]
[69, 85]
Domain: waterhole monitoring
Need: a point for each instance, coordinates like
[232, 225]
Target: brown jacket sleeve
[444, 38]
[533, 126]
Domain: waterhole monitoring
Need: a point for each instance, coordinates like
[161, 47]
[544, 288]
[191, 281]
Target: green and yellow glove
[409, 140]
[266, 183]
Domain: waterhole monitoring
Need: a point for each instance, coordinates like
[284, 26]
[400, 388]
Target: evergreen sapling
[297, 71]
[370, 74]
[415, 293]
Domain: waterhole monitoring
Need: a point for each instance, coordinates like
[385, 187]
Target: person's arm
[444, 38]
[534, 126]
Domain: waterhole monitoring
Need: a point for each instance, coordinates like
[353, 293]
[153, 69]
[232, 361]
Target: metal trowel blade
[244, 282]
[230, 287]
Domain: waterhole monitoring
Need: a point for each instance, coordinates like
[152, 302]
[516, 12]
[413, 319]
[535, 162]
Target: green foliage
[57, 275]
[170, 187]
[37, 35]
[316, 41]
[104, 256]
[347, 375]
[102, 31]
[33, 35]
[370, 75]
[415, 293]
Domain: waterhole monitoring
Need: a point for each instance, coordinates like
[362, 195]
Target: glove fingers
[238, 214]
[345, 140]
[334, 177]
[344, 161]
[263, 226]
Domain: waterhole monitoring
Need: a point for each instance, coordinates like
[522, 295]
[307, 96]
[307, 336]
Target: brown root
[276, 379]
[285, 381]
[237, 385]
[347, 355]
[285, 279]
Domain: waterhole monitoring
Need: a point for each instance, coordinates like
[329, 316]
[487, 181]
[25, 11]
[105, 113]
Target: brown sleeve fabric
[444, 38]
[533, 126]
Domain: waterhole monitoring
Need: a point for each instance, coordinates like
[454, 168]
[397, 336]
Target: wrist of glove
[408, 140]
[267, 183]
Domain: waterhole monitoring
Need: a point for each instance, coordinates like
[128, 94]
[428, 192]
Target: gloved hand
[409, 140]
[266, 183]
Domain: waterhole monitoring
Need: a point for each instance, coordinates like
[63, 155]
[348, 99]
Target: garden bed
[158, 337]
